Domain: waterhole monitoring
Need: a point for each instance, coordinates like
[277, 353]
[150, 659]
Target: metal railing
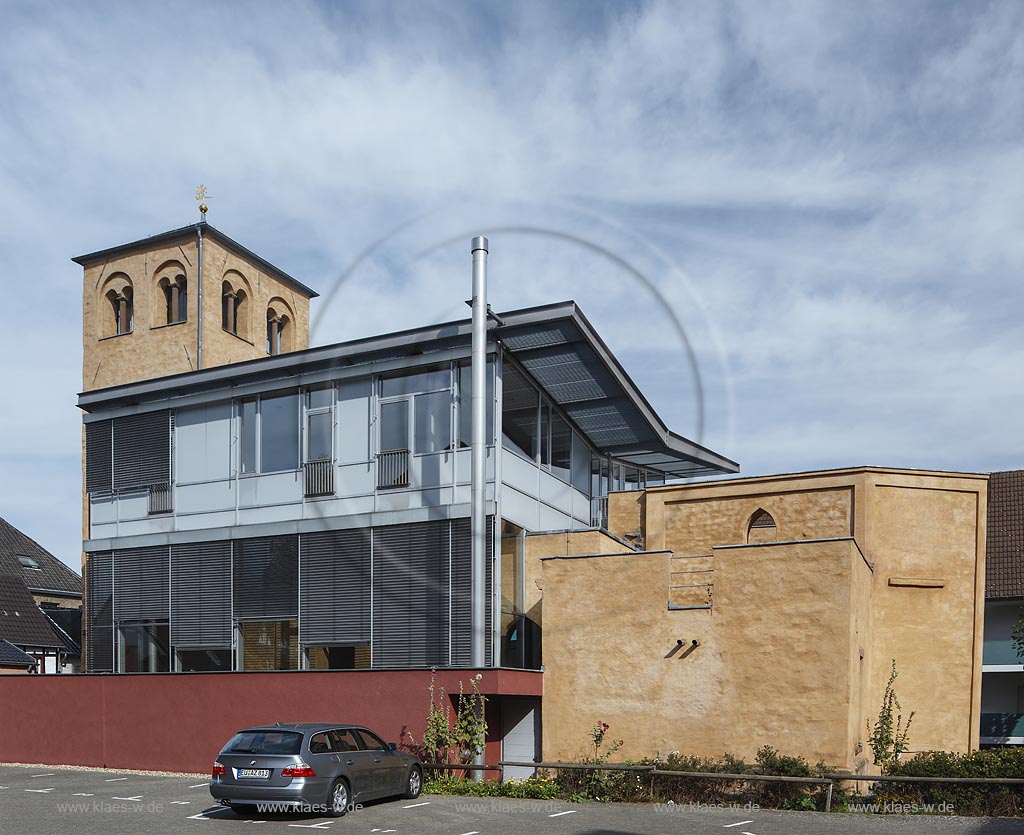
[160, 498]
[319, 477]
[828, 780]
[393, 468]
[599, 512]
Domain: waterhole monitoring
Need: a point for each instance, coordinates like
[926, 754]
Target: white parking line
[415, 805]
[322, 825]
[39, 791]
[474, 832]
[135, 799]
[559, 814]
[115, 779]
[730, 825]
[83, 794]
[43, 775]
[181, 802]
[4, 787]
[198, 786]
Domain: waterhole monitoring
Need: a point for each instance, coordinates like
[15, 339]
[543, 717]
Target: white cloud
[839, 186]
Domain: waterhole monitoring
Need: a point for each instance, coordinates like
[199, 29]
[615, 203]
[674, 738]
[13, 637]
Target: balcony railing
[393, 469]
[1002, 725]
[160, 498]
[599, 512]
[319, 478]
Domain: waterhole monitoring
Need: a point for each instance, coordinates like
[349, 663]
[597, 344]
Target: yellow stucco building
[767, 611]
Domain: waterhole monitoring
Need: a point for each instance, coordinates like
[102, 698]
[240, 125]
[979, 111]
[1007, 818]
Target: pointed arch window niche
[762, 527]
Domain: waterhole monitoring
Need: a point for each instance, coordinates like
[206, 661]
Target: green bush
[535, 788]
[959, 798]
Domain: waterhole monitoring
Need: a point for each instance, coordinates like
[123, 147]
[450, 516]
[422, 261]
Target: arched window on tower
[277, 331]
[175, 299]
[120, 314]
[762, 527]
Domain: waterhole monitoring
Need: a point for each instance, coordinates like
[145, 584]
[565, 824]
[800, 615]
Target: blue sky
[828, 197]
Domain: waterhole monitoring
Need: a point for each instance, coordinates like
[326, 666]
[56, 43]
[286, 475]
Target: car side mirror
[392, 746]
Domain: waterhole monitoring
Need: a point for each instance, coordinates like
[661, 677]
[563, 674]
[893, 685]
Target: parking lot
[47, 800]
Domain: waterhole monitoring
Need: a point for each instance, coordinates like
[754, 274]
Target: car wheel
[337, 799]
[414, 785]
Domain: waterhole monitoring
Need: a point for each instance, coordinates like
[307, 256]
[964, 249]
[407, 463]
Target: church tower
[184, 300]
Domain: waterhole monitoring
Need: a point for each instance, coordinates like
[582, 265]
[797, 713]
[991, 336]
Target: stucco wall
[610, 650]
[813, 690]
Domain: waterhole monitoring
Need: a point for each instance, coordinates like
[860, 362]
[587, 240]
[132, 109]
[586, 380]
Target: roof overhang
[554, 344]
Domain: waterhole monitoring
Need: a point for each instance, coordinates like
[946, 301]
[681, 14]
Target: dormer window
[28, 563]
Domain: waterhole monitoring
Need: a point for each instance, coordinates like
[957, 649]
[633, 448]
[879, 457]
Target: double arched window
[279, 327]
[170, 301]
[234, 307]
[117, 305]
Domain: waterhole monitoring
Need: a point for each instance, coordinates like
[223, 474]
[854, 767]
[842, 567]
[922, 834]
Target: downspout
[199, 346]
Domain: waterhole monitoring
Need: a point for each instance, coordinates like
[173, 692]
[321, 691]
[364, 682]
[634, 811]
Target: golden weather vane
[201, 195]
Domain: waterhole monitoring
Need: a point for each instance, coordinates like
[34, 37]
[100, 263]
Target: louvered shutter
[142, 450]
[335, 582]
[266, 578]
[141, 583]
[100, 613]
[98, 460]
[201, 595]
[462, 593]
[411, 594]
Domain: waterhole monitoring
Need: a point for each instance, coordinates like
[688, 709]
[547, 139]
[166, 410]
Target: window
[319, 424]
[433, 413]
[394, 426]
[144, 647]
[270, 434]
[465, 402]
[175, 299]
[279, 327]
[204, 660]
[354, 657]
[233, 310]
[29, 563]
[268, 645]
[561, 446]
[519, 404]
[344, 739]
[371, 742]
[122, 311]
[266, 742]
[762, 527]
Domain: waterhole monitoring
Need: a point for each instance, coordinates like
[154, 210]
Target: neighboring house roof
[67, 625]
[555, 343]
[190, 232]
[21, 621]
[11, 656]
[50, 576]
[1004, 567]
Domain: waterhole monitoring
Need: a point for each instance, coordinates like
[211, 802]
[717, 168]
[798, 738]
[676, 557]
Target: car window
[344, 739]
[320, 744]
[265, 742]
[371, 742]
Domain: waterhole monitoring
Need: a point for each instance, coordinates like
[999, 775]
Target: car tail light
[298, 770]
[219, 770]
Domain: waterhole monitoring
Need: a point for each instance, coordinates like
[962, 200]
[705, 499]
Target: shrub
[959, 798]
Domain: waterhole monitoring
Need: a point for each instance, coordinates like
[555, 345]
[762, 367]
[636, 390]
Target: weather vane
[201, 196]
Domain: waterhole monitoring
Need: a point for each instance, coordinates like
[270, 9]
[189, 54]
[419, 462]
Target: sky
[797, 225]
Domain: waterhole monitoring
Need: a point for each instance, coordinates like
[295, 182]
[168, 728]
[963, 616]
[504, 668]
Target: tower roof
[191, 231]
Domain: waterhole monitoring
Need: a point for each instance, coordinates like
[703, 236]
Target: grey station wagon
[316, 767]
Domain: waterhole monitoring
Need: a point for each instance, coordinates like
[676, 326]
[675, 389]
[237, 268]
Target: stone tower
[141, 315]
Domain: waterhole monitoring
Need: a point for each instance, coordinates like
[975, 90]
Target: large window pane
[144, 648]
[204, 660]
[321, 398]
[269, 645]
[394, 425]
[518, 412]
[561, 446]
[580, 464]
[414, 383]
[279, 433]
[545, 433]
[318, 440]
[249, 436]
[433, 416]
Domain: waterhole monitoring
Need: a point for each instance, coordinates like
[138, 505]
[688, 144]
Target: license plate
[254, 773]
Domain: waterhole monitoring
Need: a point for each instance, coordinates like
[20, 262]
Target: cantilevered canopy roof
[555, 344]
[559, 348]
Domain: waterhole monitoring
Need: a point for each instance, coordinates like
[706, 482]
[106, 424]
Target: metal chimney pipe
[478, 445]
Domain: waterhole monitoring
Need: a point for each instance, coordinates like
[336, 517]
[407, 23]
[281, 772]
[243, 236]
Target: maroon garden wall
[179, 721]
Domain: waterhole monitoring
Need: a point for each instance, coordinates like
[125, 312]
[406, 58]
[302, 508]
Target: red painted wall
[180, 721]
